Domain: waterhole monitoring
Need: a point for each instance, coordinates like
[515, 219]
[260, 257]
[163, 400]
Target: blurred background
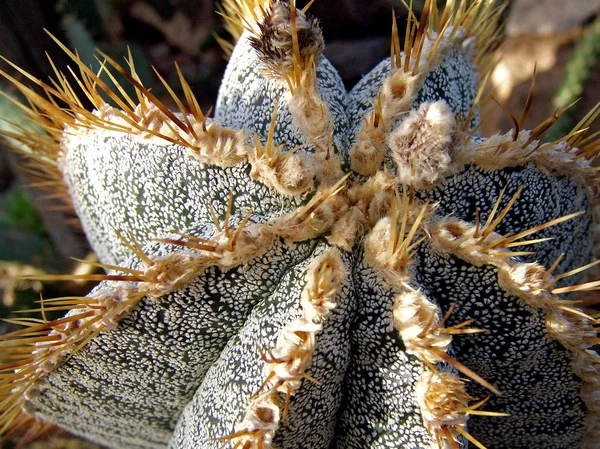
[37, 236]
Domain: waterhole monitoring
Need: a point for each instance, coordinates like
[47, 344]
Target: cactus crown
[349, 269]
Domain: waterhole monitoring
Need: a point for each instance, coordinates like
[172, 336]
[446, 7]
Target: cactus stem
[529, 283]
[287, 361]
[402, 84]
[401, 230]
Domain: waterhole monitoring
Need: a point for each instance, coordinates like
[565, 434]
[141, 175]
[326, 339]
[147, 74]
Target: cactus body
[349, 269]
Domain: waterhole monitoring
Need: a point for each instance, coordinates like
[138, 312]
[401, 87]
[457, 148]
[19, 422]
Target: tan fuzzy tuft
[170, 273]
[219, 146]
[391, 244]
[380, 206]
[454, 236]
[376, 242]
[414, 317]
[345, 230]
[374, 196]
[325, 277]
[328, 166]
[368, 152]
[442, 397]
[571, 330]
[397, 94]
[316, 217]
[505, 150]
[294, 229]
[525, 280]
[309, 111]
[295, 174]
[290, 175]
[421, 146]
[258, 427]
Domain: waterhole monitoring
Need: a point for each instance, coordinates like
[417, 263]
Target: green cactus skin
[316, 268]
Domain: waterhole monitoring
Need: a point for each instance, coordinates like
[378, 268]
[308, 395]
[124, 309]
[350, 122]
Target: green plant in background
[575, 76]
[26, 247]
[24, 242]
[82, 24]
[314, 267]
[21, 227]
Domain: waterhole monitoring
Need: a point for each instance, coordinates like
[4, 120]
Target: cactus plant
[314, 267]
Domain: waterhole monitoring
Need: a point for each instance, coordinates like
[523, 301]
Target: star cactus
[311, 267]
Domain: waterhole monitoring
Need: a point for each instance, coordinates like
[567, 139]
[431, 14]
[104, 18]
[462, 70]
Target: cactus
[313, 267]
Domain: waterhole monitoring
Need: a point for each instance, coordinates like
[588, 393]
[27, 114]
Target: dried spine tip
[421, 146]
[287, 362]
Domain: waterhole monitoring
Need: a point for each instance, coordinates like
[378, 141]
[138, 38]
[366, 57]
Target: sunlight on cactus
[311, 267]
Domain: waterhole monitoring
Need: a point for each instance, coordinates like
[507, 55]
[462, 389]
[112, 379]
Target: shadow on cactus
[316, 268]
